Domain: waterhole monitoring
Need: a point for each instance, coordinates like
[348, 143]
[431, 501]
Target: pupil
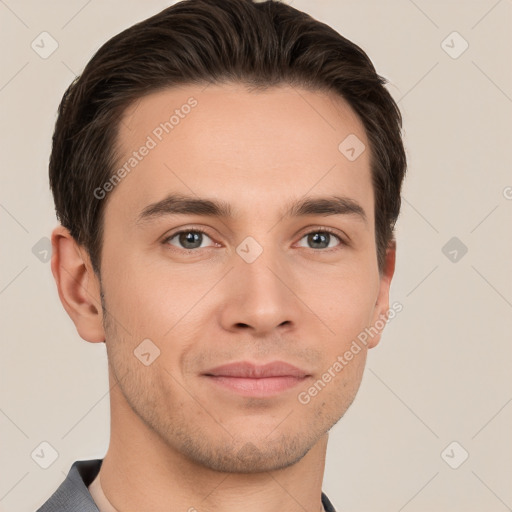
[316, 239]
[319, 238]
[189, 238]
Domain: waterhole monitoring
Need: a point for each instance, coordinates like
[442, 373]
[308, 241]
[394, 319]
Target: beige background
[442, 370]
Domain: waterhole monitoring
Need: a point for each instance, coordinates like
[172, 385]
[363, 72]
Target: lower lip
[257, 387]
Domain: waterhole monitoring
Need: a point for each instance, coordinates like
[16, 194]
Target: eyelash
[200, 230]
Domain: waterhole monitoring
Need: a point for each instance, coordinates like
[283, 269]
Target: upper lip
[254, 371]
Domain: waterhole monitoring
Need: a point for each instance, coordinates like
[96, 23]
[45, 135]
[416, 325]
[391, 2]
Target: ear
[380, 315]
[78, 285]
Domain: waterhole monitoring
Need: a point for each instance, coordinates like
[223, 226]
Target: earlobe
[382, 305]
[78, 285]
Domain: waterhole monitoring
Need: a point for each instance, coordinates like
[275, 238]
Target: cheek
[140, 297]
[150, 294]
[346, 302]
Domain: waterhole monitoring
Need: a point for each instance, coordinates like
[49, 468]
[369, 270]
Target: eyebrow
[176, 204]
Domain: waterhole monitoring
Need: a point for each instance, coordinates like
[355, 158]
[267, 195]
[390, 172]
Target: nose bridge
[263, 274]
[260, 295]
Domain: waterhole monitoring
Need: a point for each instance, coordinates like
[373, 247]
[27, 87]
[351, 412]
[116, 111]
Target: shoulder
[73, 494]
[328, 506]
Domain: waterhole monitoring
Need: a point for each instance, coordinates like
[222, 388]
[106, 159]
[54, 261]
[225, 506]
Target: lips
[247, 370]
[258, 381]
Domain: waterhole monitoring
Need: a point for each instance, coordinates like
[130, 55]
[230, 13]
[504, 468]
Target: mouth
[249, 379]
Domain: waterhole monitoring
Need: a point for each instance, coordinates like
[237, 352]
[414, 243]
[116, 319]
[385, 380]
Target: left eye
[192, 239]
[319, 239]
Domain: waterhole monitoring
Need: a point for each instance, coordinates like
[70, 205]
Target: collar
[74, 490]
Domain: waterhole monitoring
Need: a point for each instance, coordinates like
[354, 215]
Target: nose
[261, 296]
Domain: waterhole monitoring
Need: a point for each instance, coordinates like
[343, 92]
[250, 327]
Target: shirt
[99, 497]
[76, 494]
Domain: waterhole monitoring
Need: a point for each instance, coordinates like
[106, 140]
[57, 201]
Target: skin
[178, 441]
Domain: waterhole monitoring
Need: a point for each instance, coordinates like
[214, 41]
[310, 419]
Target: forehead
[244, 147]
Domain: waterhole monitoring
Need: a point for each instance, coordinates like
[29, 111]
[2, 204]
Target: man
[227, 176]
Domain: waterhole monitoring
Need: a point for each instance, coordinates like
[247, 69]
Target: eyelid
[308, 230]
[344, 240]
[187, 229]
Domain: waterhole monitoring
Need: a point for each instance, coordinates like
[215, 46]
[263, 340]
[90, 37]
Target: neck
[142, 472]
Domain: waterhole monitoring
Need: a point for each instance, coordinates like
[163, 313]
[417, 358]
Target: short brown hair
[260, 44]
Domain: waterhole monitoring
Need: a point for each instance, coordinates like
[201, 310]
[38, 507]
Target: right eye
[187, 239]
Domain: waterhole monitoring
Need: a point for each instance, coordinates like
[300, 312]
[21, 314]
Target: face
[256, 281]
